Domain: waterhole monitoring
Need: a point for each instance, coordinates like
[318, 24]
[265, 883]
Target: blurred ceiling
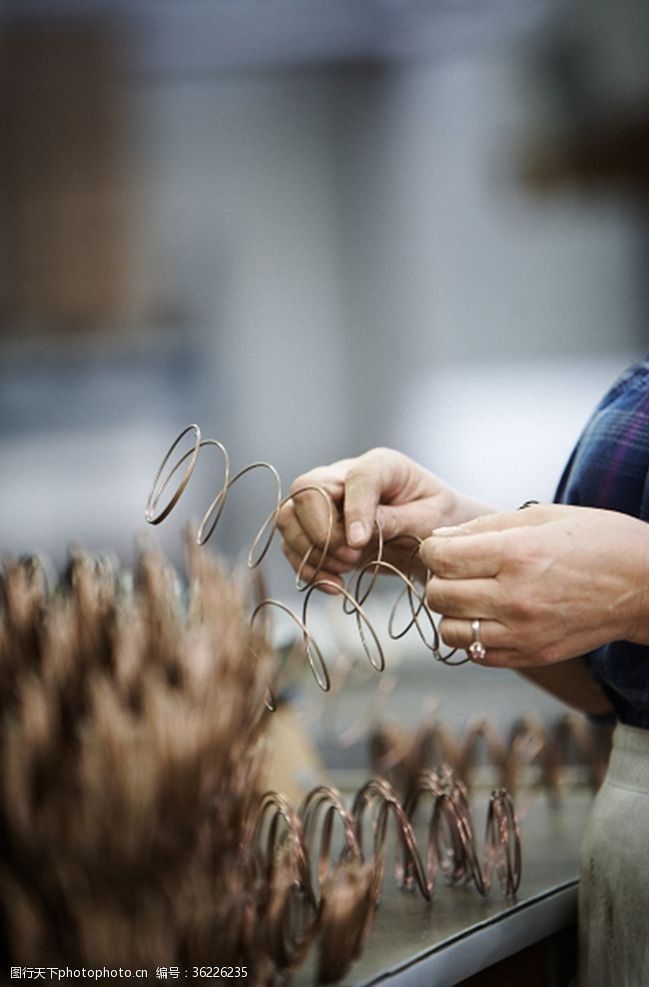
[206, 35]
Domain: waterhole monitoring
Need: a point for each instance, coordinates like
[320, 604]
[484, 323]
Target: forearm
[571, 682]
[639, 593]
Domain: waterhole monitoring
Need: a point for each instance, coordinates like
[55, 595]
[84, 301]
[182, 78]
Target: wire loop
[299, 583]
[377, 664]
[311, 649]
[355, 595]
[326, 890]
[159, 487]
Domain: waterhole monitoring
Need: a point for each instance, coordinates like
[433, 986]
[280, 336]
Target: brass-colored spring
[354, 595]
[296, 861]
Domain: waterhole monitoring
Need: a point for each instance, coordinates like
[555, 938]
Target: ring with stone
[476, 649]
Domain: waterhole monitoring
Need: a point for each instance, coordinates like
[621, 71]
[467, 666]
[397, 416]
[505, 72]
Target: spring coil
[354, 595]
[313, 889]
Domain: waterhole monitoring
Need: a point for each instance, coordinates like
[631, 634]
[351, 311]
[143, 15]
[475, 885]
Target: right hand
[380, 488]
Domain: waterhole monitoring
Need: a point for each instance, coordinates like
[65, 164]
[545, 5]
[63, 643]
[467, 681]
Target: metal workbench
[459, 934]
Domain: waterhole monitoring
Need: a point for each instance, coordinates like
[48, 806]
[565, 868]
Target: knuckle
[372, 463]
[299, 482]
[523, 614]
[284, 518]
[440, 561]
[377, 452]
[309, 486]
[525, 552]
[356, 479]
[521, 607]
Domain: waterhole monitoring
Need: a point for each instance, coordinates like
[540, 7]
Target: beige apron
[614, 888]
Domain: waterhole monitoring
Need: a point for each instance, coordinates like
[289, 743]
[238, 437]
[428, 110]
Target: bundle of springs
[135, 832]
[134, 827]
[569, 751]
[336, 892]
[302, 902]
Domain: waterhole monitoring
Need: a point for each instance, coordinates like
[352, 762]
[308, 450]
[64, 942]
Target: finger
[362, 496]
[493, 636]
[458, 633]
[374, 476]
[309, 572]
[500, 658]
[294, 534]
[316, 509]
[289, 527]
[510, 658]
[464, 598]
[534, 514]
[412, 518]
[313, 564]
[465, 557]
[405, 556]
[340, 558]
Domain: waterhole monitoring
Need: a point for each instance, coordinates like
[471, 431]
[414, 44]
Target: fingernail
[357, 534]
[447, 530]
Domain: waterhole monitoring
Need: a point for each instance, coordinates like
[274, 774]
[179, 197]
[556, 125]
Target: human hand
[547, 583]
[382, 488]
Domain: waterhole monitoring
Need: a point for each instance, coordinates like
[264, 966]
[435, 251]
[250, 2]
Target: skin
[548, 583]
[382, 487]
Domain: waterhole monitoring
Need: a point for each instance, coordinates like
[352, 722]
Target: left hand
[547, 583]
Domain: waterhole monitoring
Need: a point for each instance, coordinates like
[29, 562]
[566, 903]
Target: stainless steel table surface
[412, 942]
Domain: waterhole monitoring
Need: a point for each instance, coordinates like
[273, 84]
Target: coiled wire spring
[313, 888]
[354, 595]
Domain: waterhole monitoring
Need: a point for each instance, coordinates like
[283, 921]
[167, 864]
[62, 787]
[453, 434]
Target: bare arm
[571, 682]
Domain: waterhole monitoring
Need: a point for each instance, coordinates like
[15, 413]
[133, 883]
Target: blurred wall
[358, 237]
[325, 246]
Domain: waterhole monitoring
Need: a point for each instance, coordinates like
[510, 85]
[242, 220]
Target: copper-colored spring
[547, 747]
[354, 595]
[303, 901]
[100, 688]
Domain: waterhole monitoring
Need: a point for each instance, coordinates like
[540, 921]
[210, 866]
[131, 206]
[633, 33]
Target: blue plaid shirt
[609, 468]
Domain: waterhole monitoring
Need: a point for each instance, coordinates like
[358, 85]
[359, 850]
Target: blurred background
[312, 228]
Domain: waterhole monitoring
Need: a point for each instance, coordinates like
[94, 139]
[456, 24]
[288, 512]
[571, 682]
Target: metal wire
[354, 595]
[530, 755]
[300, 843]
[100, 686]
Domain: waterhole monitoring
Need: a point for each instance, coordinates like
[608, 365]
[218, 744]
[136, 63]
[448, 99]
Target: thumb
[363, 488]
[412, 519]
[381, 477]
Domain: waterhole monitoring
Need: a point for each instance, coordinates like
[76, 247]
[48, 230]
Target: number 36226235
[235, 972]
